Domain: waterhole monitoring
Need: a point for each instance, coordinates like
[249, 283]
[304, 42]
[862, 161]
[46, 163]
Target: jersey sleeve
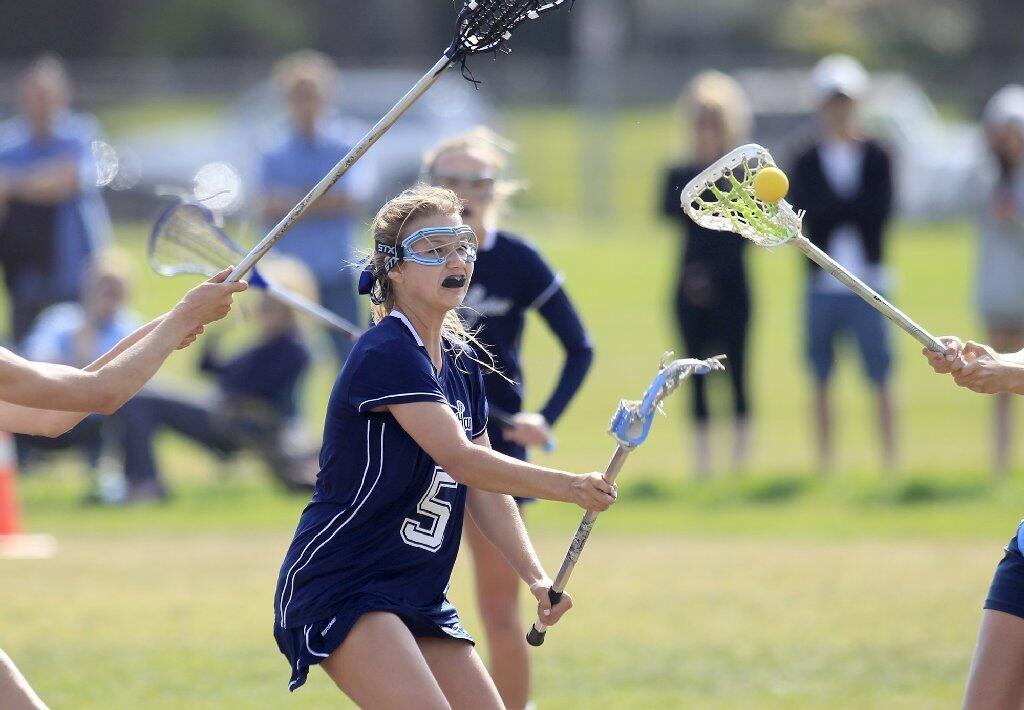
[392, 375]
[539, 281]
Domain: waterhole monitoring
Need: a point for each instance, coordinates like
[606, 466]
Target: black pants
[87, 436]
[713, 328]
[148, 413]
[223, 426]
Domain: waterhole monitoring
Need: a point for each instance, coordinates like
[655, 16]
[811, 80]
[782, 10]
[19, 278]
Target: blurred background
[773, 574]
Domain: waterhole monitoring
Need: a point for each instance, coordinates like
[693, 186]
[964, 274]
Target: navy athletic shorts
[1007, 591]
[308, 645]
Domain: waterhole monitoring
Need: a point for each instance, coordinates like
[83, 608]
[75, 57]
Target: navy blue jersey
[385, 519]
[510, 277]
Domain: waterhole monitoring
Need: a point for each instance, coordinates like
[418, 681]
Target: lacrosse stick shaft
[382, 127]
[314, 310]
[890, 311]
[535, 637]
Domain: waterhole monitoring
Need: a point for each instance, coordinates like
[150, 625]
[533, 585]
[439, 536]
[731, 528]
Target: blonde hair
[388, 228]
[110, 264]
[292, 274]
[722, 94]
[485, 145]
[306, 66]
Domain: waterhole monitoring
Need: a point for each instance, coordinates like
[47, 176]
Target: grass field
[774, 587]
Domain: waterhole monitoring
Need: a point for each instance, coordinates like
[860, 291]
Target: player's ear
[397, 274]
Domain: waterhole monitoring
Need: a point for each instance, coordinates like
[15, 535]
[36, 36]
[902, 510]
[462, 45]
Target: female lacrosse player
[405, 452]
[509, 279]
[712, 298]
[995, 680]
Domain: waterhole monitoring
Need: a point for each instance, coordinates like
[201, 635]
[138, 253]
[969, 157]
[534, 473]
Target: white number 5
[428, 533]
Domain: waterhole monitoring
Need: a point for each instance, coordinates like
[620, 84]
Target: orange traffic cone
[13, 543]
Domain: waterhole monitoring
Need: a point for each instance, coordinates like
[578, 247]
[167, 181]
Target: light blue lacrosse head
[632, 421]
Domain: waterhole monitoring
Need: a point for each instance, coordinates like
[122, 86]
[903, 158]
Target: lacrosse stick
[630, 427]
[723, 198]
[482, 26]
[185, 240]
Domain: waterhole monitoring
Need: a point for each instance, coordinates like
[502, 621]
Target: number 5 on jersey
[433, 511]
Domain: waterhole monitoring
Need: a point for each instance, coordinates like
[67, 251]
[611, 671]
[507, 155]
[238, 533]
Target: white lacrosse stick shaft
[860, 288]
[314, 310]
[340, 169]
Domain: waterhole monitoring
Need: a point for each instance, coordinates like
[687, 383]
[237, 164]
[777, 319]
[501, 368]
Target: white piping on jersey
[309, 648]
[547, 293]
[482, 429]
[408, 324]
[441, 398]
[293, 572]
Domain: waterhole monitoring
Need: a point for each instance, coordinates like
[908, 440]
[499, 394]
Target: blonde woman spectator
[712, 299]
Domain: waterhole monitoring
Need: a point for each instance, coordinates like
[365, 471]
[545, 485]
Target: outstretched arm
[499, 519]
[435, 428]
[978, 367]
[47, 399]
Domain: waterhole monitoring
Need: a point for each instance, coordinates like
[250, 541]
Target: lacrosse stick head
[187, 240]
[722, 198]
[487, 25]
[632, 421]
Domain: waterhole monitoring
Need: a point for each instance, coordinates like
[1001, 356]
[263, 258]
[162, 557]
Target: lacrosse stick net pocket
[722, 198]
[486, 25]
[185, 240]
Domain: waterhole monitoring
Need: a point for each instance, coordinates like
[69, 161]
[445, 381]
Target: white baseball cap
[839, 74]
[1006, 107]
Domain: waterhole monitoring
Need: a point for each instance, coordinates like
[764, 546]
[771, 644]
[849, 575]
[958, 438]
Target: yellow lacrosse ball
[770, 184]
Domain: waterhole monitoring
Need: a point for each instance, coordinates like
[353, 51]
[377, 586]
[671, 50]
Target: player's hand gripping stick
[630, 427]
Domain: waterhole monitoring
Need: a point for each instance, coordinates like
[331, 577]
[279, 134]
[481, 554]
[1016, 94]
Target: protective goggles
[432, 246]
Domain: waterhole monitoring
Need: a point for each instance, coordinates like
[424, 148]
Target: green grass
[774, 587]
[147, 115]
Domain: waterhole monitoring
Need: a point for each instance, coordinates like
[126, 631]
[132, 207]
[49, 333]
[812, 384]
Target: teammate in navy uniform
[362, 588]
[510, 277]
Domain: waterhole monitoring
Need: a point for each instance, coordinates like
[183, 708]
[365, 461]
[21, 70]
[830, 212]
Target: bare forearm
[1014, 377]
[124, 373]
[48, 422]
[481, 467]
[499, 519]
[102, 387]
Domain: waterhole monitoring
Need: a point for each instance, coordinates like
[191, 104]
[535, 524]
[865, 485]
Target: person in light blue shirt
[293, 162]
[75, 333]
[52, 217]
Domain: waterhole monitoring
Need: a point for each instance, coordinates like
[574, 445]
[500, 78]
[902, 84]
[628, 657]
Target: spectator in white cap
[844, 181]
[1000, 276]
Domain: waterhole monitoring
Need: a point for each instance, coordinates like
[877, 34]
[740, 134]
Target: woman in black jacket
[712, 300]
